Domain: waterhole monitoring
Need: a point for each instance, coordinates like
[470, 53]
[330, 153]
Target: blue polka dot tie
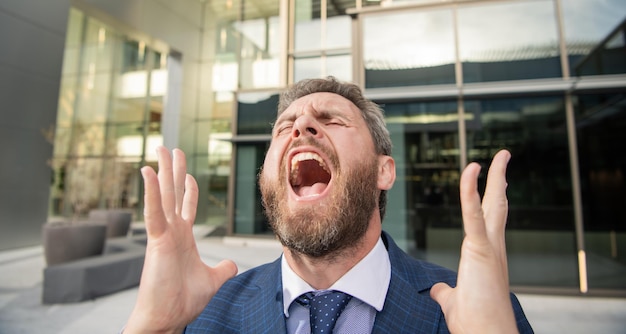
[324, 309]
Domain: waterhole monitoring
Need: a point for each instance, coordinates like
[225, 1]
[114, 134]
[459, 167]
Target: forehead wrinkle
[289, 114]
[321, 108]
[338, 107]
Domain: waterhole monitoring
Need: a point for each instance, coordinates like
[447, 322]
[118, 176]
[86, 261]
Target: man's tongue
[309, 178]
[312, 190]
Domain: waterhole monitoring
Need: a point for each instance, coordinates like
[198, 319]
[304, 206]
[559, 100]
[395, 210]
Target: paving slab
[21, 310]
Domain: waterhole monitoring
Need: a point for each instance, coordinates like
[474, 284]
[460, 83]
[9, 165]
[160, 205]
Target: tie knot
[324, 309]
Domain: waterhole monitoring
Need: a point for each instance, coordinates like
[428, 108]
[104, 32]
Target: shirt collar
[368, 280]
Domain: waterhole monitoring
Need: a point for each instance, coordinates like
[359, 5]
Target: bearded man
[324, 183]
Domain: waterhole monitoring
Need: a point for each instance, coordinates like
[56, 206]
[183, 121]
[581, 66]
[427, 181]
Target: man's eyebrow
[333, 113]
[323, 114]
[284, 117]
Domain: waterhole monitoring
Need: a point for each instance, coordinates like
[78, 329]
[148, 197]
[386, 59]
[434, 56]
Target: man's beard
[327, 228]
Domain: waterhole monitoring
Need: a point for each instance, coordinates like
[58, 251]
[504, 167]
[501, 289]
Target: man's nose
[305, 125]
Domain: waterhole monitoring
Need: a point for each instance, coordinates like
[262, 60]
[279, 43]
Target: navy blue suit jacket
[252, 302]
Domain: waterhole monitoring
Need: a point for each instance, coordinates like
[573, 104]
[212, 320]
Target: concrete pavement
[21, 311]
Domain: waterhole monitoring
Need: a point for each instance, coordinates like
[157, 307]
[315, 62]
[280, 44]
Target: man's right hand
[175, 284]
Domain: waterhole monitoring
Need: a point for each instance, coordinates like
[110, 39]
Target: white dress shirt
[367, 282]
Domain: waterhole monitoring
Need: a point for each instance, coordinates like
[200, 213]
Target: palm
[175, 284]
[480, 302]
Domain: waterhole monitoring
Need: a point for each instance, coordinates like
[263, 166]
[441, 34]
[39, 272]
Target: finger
[471, 210]
[495, 204]
[440, 292]
[180, 172]
[153, 212]
[495, 207]
[190, 200]
[166, 182]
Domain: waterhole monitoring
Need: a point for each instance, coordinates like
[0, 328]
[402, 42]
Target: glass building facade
[108, 119]
[458, 81]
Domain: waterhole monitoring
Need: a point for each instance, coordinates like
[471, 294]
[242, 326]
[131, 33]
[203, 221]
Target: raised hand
[175, 284]
[480, 303]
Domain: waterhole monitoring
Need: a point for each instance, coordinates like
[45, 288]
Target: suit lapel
[264, 311]
[408, 307]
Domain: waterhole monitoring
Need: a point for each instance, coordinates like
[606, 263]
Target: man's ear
[386, 172]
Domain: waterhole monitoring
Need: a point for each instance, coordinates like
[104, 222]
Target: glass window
[408, 48]
[211, 167]
[307, 25]
[340, 67]
[109, 118]
[249, 217]
[426, 146]
[96, 75]
[230, 43]
[259, 64]
[594, 33]
[256, 113]
[338, 32]
[87, 139]
[212, 171]
[80, 184]
[67, 100]
[601, 132]
[322, 43]
[307, 67]
[125, 139]
[540, 227]
[73, 43]
[243, 44]
[508, 41]
[417, 1]
[120, 183]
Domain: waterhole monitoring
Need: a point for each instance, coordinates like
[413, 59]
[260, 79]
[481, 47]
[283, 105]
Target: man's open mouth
[309, 174]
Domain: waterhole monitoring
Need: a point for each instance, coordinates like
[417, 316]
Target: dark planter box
[117, 220]
[117, 269]
[64, 242]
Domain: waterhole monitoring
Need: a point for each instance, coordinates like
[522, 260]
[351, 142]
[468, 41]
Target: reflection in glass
[540, 227]
[212, 172]
[238, 35]
[259, 63]
[431, 172]
[408, 48]
[601, 132]
[249, 217]
[340, 67]
[310, 23]
[211, 168]
[307, 67]
[508, 41]
[307, 25]
[256, 112]
[126, 139]
[338, 32]
[109, 113]
[120, 184]
[322, 42]
[594, 34]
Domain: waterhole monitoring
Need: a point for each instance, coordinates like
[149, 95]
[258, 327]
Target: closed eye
[284, 127]
[334, 122]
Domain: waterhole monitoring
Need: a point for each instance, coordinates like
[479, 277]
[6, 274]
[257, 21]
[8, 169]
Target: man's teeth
[295, 161]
